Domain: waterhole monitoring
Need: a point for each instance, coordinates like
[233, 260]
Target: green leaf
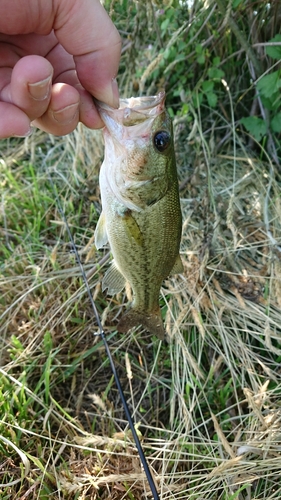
[275, 51]
[208, 86]
[181, 46]
[275, 123]
[256, 126]
[235, 3]
[269, 84]
[212, 99]
[270, 102]
[170, 53]
[237, 493]
[165, 24]
[215, 73]
[197, 99]
[171, 112]
[185, 109]
[48, 342]
[216, 61]
[201, 59]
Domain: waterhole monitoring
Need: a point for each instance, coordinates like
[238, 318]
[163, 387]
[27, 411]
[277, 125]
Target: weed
[207, 404]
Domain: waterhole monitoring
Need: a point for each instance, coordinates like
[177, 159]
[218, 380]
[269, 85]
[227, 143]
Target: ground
[206, 403]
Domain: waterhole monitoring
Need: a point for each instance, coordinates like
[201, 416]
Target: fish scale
[141, 215]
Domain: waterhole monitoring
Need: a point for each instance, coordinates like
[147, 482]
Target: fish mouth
[147, 104]
[132, 111]
[127, 136]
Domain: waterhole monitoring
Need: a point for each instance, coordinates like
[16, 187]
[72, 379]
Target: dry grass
[208, 404]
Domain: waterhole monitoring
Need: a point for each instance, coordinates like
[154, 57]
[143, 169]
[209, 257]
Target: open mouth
[132, 111]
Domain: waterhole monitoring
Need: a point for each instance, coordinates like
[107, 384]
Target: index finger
[85, 30]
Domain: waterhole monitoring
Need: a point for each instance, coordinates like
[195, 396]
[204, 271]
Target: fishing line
[103, 336]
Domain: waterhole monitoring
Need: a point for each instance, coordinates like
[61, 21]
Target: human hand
[43, 43]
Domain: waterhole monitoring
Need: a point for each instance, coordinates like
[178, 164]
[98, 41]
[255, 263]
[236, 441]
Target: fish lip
[144, 104]
[133, 110]
[138, 103]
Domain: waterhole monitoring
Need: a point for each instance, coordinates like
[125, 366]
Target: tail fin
[151, 322]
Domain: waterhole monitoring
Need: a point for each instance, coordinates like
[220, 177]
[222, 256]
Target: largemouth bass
[141, 215]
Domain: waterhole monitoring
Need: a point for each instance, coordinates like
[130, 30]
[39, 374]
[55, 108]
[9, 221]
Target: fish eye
[162, 140]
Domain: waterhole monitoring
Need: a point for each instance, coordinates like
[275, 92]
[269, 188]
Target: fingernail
[27, 134]
[115, 93]
[40, 90]
[111, 93]
[66, 115]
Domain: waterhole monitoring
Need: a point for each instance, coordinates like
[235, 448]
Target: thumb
[85, 30]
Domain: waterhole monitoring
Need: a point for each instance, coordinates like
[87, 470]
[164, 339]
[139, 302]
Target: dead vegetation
[207, 403]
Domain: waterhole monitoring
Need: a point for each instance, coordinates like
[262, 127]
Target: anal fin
[101, 237]
[178, 266]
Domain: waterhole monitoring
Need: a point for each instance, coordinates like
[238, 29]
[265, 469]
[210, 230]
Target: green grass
[214, 389]
[207, 404]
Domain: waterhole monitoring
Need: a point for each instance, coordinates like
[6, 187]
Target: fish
[141, 215]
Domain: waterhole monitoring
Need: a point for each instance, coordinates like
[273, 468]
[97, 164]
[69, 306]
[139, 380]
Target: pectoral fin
[113, 280]
[133, 228]
[178, 266]
[101, 237]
